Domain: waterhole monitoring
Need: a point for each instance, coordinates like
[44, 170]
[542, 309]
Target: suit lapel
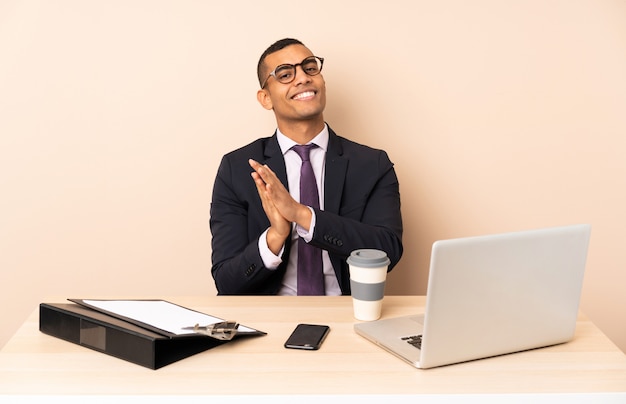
[336, 168]
[275, 160]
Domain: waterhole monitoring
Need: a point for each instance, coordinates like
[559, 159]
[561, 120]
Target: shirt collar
[321, 140]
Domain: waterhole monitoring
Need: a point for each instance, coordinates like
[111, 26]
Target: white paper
[160, 314]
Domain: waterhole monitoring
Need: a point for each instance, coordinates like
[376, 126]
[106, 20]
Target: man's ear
[264, 99]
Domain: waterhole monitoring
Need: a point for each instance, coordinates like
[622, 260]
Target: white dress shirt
[292, 163]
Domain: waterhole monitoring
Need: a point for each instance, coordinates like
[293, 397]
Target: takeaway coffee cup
[368, 272]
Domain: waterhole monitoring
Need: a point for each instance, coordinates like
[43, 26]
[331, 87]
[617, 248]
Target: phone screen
[307, 336]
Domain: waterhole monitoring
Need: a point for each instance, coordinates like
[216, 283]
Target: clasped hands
[281, 209]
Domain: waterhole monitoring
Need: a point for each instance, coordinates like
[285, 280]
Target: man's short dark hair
[275, 47]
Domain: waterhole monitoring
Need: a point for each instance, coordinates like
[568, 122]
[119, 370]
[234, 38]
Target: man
[262, 233]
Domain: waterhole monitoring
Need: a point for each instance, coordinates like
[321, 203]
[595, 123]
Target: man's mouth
[304, 95]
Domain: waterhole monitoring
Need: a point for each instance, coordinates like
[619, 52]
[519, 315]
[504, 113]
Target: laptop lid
[495, 294]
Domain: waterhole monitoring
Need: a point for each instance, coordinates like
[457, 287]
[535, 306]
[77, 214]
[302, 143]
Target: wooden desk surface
[36, 363]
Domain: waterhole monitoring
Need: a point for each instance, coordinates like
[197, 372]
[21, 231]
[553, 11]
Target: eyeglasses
[286, 73]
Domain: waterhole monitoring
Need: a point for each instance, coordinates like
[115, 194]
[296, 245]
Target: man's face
[302, 99]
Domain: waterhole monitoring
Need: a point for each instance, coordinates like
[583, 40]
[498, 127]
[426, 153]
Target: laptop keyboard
[415, 340]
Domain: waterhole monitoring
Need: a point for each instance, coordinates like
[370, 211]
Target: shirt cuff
[270, 260]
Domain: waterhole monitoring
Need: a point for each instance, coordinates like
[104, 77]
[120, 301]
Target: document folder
[122, 339]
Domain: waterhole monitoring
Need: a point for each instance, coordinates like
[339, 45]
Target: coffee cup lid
[368, 258]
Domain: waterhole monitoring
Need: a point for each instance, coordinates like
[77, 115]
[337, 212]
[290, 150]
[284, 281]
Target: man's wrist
[270, 260]
[304, 217]
[307, 234]
[274, 240]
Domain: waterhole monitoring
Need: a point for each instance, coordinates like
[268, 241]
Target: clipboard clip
[225, 330]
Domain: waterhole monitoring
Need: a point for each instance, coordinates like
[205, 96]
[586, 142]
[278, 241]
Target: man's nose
[301, 76]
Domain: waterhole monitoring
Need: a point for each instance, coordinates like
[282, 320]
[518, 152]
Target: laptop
[491, 295]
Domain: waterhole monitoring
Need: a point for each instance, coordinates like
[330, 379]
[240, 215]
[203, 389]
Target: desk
[33, 363]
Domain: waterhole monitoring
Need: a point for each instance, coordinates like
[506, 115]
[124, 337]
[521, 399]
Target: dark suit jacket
[361, 210]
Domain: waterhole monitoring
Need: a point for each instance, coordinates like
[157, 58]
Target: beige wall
[499, 115]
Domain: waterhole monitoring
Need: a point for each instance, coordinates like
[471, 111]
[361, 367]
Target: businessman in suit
[262, 233]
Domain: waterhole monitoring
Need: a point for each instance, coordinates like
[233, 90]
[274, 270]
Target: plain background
[499, 115]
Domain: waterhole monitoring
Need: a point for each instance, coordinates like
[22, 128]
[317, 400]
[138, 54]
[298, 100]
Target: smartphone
[307, 336]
